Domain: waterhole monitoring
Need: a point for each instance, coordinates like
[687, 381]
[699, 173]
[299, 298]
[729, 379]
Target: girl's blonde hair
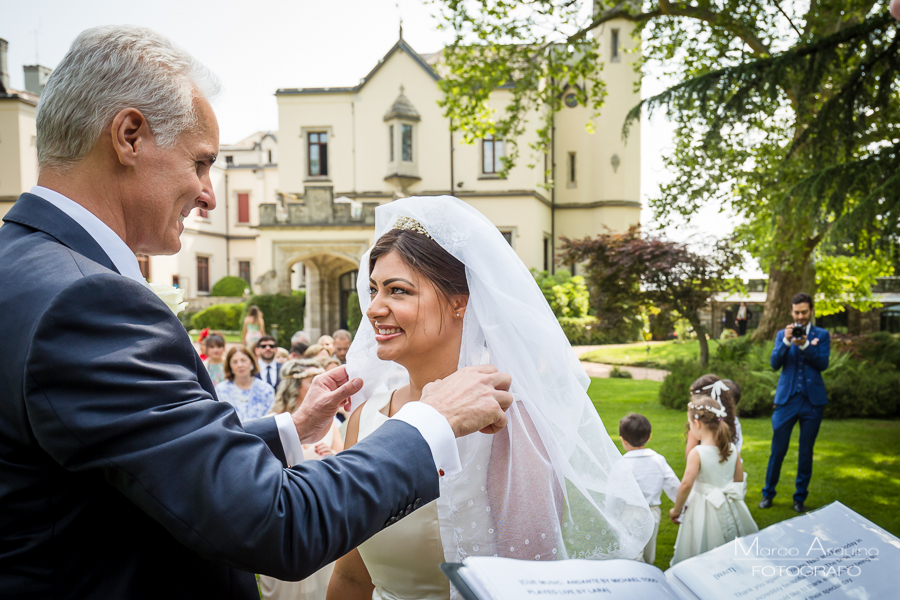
[313, 350]
[293, 372]
[703, 408]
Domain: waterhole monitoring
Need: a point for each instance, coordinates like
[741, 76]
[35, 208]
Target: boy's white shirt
[653, 475]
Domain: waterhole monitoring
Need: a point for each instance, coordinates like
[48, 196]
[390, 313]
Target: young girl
[728, 394]
[714, 480]
[214, 363]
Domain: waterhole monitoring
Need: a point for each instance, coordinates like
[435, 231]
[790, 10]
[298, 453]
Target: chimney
[4, 71]
[36, 77]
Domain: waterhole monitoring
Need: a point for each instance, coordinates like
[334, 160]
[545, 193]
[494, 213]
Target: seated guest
[214, 363]
[299, 338]
[251, 397]
[297, 350]
[342, 341]
[317, 351]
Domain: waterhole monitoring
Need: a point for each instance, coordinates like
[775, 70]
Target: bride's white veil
[551, 485]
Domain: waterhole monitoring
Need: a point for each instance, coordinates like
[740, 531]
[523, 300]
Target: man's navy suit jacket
[121, 476]
[802, 369]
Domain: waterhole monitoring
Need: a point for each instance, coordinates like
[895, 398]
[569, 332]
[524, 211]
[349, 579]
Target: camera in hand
[798, 331]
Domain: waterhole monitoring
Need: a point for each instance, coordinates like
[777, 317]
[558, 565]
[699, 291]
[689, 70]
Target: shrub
[354, 313]
[567, 296]
[585, 331]
[219, 316]
[856, 387]
[618, 373]
[281, 313]
[728, 334]
[231, 287]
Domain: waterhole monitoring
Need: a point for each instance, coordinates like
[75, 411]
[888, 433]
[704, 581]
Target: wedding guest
[201, 342]
[317, 351]
[265, 357]
[711, 385]
[329, 363]
[342, 341]
[254, 327]
[651, 471]
[297, 350]
[328, 342]
[714, 480]
[299, 338]
[215, 365]
[296, 378]
[743, 315]
[799, 397]
[282, 355]
[251, 397]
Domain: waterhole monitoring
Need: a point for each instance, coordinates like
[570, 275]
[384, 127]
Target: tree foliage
[787, 114]
[630, 270]
[848, 281]
[567, 296]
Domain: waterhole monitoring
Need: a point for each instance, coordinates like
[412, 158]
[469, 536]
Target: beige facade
[18, 138]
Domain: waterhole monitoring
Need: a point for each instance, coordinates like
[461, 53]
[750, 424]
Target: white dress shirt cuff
[805, 344]
[787, 342]
[290, 441]
[436, 431]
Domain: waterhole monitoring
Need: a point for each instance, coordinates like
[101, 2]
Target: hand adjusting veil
[552, 484]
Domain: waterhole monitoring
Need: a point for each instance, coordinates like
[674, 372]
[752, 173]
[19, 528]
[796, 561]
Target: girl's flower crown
[715, 393]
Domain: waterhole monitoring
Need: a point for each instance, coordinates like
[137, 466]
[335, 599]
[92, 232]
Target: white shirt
[264, 366]
[653, 475]
[430, 423]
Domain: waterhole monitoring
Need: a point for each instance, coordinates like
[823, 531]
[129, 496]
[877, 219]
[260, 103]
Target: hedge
[283, 312]
[219, 316]
[585, 331]
[230, 287]
[856, 386]
[354, 313]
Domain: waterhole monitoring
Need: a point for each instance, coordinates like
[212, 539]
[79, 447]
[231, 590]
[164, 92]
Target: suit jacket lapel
[35, 212]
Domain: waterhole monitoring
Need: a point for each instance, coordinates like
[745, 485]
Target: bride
[442, 289]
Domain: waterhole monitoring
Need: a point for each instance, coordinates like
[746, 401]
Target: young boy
[652, 472]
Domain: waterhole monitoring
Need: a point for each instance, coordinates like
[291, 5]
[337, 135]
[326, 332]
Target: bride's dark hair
[425, 256]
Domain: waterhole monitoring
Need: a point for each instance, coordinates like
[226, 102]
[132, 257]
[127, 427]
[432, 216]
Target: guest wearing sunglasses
[265, 358]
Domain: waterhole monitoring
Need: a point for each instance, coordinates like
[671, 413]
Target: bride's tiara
[410, 224]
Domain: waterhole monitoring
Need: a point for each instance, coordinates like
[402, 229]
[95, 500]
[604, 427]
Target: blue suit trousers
[797, 408]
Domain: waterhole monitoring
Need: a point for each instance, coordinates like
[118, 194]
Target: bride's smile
[413, 322]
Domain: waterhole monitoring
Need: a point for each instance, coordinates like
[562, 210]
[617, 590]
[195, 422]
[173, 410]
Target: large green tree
[786, 113]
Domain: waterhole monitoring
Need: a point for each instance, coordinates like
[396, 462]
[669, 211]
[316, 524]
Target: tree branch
[667, 9]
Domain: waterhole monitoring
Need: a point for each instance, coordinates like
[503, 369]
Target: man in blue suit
[801, 355]
[121, 475]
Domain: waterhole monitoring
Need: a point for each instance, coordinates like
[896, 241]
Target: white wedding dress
[404, 559]
[551, 485]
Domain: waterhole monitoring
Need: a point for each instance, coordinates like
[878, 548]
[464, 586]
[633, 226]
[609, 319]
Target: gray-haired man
[121, 476]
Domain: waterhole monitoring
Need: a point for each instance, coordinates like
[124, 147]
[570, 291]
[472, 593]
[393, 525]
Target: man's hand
[789, 333]
[329, 392]
[472, 399]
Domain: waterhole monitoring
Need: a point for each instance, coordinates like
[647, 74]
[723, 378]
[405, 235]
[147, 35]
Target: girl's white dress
[716, 512]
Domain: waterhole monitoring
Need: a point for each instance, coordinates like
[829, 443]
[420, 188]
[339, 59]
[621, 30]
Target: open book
[831, 553]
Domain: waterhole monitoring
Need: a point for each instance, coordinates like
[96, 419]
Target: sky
[258, 47]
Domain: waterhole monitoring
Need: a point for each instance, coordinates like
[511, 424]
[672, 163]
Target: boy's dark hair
[299, 348]
[215, 340]
[801, 298]
[635, 429]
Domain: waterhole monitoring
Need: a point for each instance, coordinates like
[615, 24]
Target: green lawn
[856, 460]
[661, 353]
[231, 338]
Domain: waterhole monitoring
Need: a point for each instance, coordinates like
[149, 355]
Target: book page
[831, 553]
[510, 579]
